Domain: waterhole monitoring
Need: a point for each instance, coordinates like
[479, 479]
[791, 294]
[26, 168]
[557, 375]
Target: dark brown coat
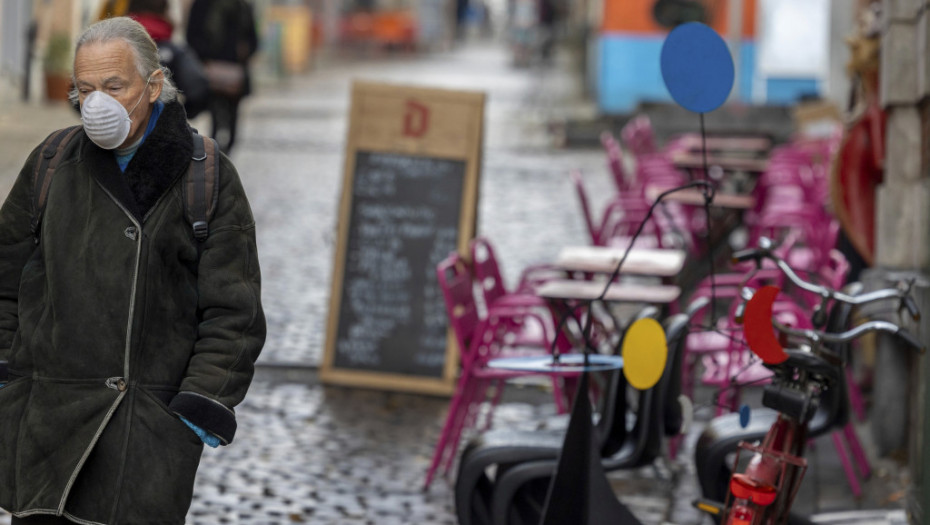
[112, 326]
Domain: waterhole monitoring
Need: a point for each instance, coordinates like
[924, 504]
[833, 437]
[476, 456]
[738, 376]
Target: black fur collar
[157, 164]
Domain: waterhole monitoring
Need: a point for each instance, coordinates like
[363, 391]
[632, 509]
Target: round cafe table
[563, 364]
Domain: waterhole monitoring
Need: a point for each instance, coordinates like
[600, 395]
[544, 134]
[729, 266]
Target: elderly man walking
[125, 342]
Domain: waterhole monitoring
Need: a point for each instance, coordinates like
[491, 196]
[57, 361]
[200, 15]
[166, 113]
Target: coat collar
[158, 163]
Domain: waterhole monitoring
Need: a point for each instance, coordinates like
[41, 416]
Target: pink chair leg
[725, 401]
[498, 392]
[451, 427]
[847, 464]
[855, 396]
[734, 400]
[558, 392]
[673, 443]
[473, 398]
[862, 461]
[569, 385]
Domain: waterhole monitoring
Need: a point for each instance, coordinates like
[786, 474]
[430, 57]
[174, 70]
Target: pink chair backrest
[487, 271]
[455, 281]
[615, 160]
[638, 136]
[578, 182]
[657, 169]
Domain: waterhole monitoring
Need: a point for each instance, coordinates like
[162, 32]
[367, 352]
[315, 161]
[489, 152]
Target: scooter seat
[721, 437]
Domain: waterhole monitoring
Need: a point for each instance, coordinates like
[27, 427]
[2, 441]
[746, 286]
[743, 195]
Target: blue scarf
[122, 159]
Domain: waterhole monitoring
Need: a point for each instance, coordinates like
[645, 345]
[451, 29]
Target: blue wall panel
[786, 91]
[628, 71]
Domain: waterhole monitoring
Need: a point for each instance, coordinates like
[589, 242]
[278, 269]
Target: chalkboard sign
[409, 199]
[405, 218]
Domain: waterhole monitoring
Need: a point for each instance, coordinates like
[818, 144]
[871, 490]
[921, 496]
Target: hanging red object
[857, 172]
[757, 323]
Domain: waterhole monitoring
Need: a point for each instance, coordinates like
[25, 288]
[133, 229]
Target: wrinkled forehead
[98, 61]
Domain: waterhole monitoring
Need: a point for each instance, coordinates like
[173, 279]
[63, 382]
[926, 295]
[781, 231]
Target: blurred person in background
[548, 18]
[125, 342]
[461, 18]
[523, 30]
[186, 70]
[222, 33]
[111, 8]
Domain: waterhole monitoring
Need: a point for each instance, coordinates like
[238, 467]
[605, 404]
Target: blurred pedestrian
[124, 342]
[461, 19]
[222, 33]
[524, 31]
[186, 70]
[548, 18]
[111, 8]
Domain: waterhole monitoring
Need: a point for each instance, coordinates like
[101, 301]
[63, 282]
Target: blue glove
[209, 439]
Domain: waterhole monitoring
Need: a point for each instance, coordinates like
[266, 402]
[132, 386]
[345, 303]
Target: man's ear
[158, 79]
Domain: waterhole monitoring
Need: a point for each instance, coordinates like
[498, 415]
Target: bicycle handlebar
[765, 251]
[911, 305]
[818, 336]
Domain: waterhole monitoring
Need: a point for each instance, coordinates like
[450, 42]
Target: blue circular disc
[744, 414]
[697, 67]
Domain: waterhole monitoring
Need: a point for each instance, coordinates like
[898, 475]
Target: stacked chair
[495, 295]
[619, 220]
[670, 226]
[502, 324]
[504, 475]
[791, 207]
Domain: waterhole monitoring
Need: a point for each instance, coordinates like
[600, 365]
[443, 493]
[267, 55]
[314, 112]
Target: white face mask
[106, 121]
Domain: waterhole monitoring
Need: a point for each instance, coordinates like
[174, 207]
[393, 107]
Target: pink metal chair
[494, 294]
[487, 271]
[714, 337]
[620, 218]
[479, 339]
[817, 234]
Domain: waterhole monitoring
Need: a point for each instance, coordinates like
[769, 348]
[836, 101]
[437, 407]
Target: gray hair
[143, 48]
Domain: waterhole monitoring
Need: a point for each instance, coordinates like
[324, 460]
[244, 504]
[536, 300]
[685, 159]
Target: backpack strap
[201, 186]
[49, 158]
[201, 180]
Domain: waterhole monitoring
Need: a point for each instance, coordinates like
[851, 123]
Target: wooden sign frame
[417, 122]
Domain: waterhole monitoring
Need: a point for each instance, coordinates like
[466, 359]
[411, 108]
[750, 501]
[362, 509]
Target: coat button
[130, 232]
[121, 385]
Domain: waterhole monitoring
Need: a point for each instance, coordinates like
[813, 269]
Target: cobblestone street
[308, 453]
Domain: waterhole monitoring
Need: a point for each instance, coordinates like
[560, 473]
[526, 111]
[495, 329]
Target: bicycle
[804, 393]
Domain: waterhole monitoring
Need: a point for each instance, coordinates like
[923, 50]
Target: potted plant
[57, 66]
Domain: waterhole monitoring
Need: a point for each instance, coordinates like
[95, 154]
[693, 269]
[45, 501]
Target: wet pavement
[308, 453]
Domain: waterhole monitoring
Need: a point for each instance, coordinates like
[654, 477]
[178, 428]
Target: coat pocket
[162, 405]
[161, 464]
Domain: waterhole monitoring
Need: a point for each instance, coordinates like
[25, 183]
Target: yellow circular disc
[644, 353]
